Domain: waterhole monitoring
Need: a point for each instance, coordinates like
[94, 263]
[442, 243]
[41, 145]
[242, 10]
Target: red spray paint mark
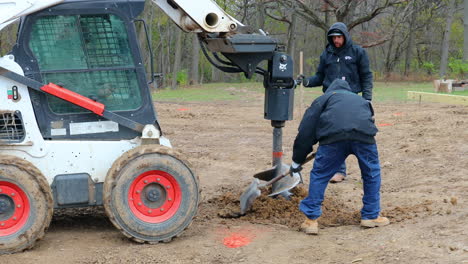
[235, 237]
[384, 124]
[182, 109]
[236, 240]
[398, 114]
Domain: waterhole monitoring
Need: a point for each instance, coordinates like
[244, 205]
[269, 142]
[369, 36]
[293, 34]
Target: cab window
[90, 55]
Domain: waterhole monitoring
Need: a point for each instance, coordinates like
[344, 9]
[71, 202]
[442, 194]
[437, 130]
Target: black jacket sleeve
[365, 75]
[307, 136]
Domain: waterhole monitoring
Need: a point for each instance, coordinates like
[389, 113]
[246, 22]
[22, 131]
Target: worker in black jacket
[342, 123]
[341, 59]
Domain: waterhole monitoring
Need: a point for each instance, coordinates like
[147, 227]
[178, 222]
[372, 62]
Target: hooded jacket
[349, 62]
[337, 115]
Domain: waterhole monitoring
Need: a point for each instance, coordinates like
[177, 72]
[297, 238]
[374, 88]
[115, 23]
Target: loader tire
[151, 194]
[26, 204]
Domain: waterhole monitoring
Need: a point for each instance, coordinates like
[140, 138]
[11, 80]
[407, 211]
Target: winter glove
[300, 79]
[372, 110]
[295, 170]
[295, 167]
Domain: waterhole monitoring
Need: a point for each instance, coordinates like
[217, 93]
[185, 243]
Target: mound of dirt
[335, 212]
[268, 210]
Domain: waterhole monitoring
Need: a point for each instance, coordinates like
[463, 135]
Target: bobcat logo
[283, 67]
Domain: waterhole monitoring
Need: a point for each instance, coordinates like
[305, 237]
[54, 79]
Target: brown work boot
[310, 227]
[338, 177]
[379, 221]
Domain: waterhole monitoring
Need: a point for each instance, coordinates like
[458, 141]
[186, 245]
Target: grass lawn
[205, 92]
[464, 93]
[383, 91]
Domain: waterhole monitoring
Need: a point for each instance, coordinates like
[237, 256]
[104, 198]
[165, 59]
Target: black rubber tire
[132, 164]
[26, 176]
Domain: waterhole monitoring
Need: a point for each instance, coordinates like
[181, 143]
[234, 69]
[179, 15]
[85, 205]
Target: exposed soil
[266, 210]
[424, 158]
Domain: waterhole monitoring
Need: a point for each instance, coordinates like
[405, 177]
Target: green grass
[383, 91]
[207, 92]
[397, 91]
[464, 93]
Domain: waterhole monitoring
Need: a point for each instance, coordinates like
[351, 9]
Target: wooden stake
[301, 87]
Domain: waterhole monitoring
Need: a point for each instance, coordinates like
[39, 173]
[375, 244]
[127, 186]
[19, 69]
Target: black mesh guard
[11, 127]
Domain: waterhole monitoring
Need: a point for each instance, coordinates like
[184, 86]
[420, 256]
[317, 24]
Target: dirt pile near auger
[335, 211]
[268, 210]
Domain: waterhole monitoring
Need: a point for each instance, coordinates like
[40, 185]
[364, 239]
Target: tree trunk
[292, 35]
[409, 48]
[445, 43]
[388, 66]
[409, 51]
[261, 14]
[178, 56]
[327, 22]
[409, 54]
[465, 24]
[195, 60]
[166, 62]
[244, 11]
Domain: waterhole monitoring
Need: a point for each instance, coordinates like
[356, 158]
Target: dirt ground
[424, 158]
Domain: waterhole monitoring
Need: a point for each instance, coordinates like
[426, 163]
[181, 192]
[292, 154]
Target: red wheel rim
[14, 208]
[154, 196]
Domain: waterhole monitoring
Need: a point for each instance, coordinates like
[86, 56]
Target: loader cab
[89, 47]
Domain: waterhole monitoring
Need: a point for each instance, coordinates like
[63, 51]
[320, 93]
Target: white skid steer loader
[77, 124]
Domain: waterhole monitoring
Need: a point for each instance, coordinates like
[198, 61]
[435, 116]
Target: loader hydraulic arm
[198, 16]
[244, 49]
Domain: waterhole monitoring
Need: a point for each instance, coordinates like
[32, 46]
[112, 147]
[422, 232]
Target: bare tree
[465, 29]
[409, 47]
[395, 46]
[260, 10]
[395, 39]
[291, 46]
[178, 56]
[445, 42]
[350, 12]
[195, 60]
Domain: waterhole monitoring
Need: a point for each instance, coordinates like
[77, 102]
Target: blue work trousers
[328, 160]
[342, 169]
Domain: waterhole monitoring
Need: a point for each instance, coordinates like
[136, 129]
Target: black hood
[343, 29]
[338, 84]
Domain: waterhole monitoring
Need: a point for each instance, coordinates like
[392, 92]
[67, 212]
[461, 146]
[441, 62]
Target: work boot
[379, 221]
[310, 226]
[338, 177]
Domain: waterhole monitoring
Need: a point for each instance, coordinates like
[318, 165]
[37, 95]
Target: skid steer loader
[77, 124]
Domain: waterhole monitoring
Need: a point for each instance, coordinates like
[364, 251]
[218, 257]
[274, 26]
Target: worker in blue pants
[342, 123]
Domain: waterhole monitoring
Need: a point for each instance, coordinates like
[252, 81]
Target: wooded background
[405, 39]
